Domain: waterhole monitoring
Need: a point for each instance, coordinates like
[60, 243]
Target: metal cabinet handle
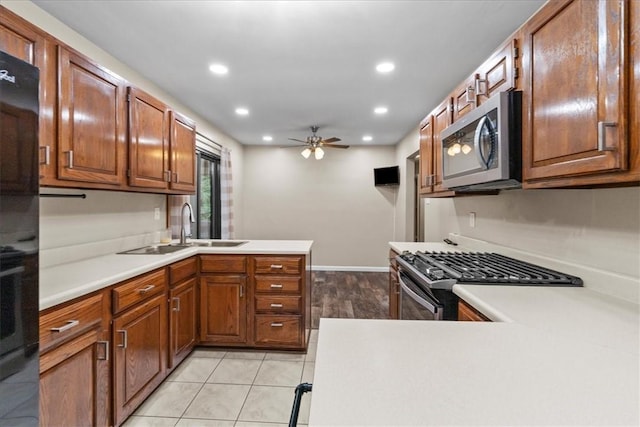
[106, 350]
[276, 266]
[277, 325]
[274, 305]
[146, 289]
[47, 155]
[175, 177]
[478, 91]
[276, 286]
[70, 324]
[124, 338]
[602, 136]
[469, 99]
[241, 291]
[167, 176]
[70, 159]
[177, 306]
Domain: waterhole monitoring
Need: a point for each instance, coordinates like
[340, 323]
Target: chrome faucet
[183, 233]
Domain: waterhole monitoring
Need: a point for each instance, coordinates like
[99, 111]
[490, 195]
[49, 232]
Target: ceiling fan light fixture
[319, 153]
[306, 153]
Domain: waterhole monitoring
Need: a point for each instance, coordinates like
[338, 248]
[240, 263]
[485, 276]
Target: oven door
[417, 303]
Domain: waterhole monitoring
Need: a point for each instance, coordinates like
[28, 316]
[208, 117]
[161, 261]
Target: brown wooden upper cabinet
[148, 141]
[576, 94]
[426, 155]
[21, 39]
[91, 121]
[161, 145]
[499, 73]
[464, 97]
[431, 159]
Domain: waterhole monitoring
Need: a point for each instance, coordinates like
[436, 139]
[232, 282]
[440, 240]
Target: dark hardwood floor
[356, 295]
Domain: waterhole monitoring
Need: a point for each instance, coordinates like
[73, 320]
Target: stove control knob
[436, 273]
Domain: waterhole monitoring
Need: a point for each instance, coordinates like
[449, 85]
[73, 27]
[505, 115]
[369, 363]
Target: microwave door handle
[420, 300]
[476, 143]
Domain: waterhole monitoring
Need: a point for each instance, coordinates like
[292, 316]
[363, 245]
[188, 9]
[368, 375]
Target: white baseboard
[349, 268]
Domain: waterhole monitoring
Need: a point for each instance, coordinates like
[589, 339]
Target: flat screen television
[386, 176]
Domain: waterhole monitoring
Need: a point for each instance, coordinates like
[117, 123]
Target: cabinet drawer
[278, 265]
[223, 264]
[277, 304]
[69, 321]
[182, 269]
[278, 284]
[139, 289]
[278, 330]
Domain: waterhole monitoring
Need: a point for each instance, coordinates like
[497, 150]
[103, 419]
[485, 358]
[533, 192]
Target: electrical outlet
[156, 214]
[472, 219]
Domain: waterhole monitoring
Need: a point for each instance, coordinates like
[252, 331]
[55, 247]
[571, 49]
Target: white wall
[331, 201]
[94, 225]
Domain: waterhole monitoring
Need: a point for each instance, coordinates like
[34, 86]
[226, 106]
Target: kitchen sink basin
[218, 243]
[154, 250]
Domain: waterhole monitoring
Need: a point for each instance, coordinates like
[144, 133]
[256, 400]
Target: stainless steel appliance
[483, 149]
[19, 370]
[427, 279]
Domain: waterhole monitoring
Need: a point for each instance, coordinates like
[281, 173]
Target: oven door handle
[436, 309]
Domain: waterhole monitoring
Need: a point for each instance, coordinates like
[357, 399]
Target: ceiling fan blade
[334, 145]
[330, 140]
[293, 146]
[299, 140]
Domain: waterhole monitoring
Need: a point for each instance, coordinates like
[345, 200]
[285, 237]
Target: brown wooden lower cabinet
[223, 309]
[282, 331]
[466, 313]
[183, 321]
[74, 383]
[139, 338]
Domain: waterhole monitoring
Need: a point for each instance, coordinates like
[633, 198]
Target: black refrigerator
[19, 370]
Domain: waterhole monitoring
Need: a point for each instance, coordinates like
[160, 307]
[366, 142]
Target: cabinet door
[426, 155]
[575, 104]
[91, 121]
[74, 383]
[441, 119]
[182, 327]
[140, 354]
[21, 39]
[464, 97]
[183, 154]
[148, 141]
[223, 309]
[498, 73]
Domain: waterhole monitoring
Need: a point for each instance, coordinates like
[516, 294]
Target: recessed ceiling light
[242, 111]
[267, 138]
[219, 69]
[367, 138]
[385, 67]
[381, 110]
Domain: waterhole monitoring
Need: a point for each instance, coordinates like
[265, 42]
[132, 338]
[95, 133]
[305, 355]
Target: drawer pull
[276, 286]
[277, 325]
[106, 350]
[146, 289]
[177, 306]
[276, 266]
[70, 324]
[124, 338]
[274, 305]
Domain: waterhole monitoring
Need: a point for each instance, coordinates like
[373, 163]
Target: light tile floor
[214, 388]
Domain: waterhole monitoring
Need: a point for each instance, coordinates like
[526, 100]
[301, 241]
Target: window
[206, 201]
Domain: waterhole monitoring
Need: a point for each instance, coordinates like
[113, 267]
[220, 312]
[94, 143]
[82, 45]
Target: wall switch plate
[156, 214]
[472, 219]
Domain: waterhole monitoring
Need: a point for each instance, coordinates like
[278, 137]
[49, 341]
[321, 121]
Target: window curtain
[226, 194]
[175, 208]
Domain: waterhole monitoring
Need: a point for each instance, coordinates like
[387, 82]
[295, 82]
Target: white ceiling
[298, 63]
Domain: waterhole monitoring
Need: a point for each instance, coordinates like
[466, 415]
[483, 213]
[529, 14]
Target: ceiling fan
[315, 143]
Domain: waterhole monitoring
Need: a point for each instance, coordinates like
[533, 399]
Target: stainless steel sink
[219, 243]
[153, 250]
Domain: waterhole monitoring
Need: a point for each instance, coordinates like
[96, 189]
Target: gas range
[441, 270]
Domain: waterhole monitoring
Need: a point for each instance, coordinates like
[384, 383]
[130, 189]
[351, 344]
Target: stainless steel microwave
[483, 149]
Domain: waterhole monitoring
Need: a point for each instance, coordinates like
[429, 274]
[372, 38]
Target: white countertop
[420, 373]
[553, 356]
[64, 282]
